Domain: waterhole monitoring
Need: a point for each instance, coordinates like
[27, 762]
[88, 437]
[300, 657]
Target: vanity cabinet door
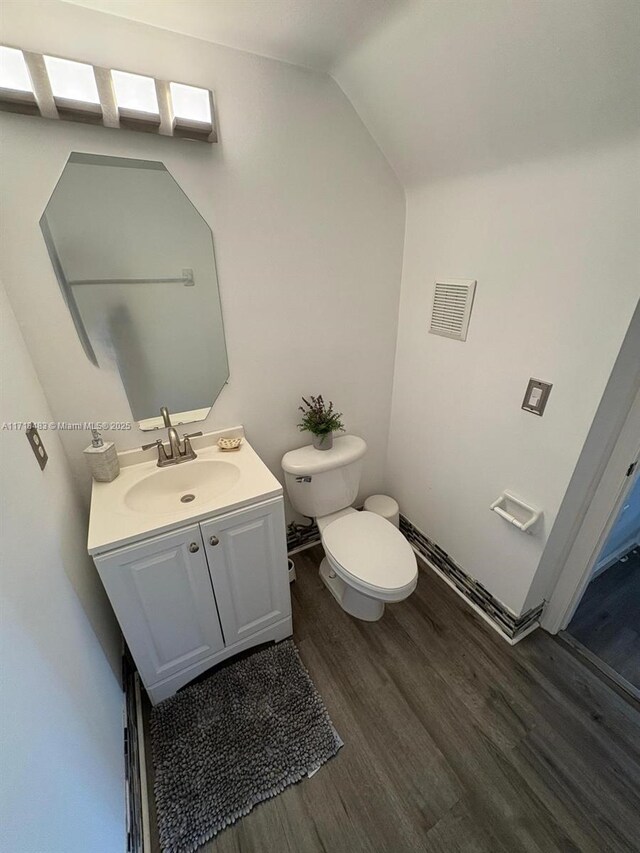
[247, 554]
[161, 592]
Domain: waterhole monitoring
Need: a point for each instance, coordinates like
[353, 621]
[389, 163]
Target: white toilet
[368, 561]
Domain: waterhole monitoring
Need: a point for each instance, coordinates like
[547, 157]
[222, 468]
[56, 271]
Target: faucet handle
[162, 453]
[188, 451]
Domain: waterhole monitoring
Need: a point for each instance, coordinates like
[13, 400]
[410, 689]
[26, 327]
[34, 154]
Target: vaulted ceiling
[446, 87]
[312, 33]
[450, 87]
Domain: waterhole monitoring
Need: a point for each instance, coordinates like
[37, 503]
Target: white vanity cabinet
[190, 598]
[247, 557]
[161, 592]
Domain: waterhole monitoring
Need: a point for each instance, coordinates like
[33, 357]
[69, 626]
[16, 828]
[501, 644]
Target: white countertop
[112, 524]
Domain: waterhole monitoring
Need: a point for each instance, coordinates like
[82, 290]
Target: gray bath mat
[224, 745]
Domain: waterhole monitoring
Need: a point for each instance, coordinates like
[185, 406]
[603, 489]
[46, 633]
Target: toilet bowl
[367, 562]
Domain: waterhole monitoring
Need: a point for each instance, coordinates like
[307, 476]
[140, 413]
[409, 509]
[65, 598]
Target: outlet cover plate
[33, 437]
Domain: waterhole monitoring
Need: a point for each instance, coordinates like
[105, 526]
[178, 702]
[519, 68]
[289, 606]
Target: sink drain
[186, 499]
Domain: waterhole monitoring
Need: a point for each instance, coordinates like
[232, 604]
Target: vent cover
[452, 301]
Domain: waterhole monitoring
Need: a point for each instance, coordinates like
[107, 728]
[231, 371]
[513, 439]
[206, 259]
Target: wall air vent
[452, 301]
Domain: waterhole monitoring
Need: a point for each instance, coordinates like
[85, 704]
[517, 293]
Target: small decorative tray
[227, 444]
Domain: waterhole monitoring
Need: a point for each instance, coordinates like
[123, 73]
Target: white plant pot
[323, 442]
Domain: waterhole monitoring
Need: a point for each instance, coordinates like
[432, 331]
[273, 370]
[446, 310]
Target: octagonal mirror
[136, 266]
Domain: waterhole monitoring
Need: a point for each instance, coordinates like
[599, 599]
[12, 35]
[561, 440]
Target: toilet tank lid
[307, 460]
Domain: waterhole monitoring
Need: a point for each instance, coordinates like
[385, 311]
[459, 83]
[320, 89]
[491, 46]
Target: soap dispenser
[102, 459]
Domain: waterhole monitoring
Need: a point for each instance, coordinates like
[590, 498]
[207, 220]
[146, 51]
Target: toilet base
[352, 601]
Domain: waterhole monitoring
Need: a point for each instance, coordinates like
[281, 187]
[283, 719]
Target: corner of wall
[621, 389]
[394, 172]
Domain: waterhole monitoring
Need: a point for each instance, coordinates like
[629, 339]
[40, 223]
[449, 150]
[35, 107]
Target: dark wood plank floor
[454, 741]
[607, 621]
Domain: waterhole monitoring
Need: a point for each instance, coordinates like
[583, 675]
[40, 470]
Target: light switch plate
[33, 437]
[535, 400]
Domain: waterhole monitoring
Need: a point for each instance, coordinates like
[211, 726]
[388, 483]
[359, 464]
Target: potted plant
[321, 421]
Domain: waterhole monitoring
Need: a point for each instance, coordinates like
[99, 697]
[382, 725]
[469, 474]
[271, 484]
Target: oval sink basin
[187, 485]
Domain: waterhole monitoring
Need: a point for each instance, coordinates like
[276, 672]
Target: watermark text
[66, 425]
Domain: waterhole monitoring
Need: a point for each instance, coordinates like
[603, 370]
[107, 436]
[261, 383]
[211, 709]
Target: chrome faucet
[177, 452]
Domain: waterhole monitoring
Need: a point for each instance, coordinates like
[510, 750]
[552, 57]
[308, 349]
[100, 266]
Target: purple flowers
[318, 418]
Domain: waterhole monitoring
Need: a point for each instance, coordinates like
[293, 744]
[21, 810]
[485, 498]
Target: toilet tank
[320, 482]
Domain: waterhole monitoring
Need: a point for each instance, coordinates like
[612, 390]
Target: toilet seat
[369, 553]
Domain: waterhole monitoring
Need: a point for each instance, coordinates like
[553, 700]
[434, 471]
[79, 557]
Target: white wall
[62, 785]
[553, 246]
[593, 489]
[308, 225]
[541, 240]
[514, 128]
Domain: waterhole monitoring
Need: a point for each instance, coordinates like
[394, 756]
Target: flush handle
[303, 479]
[213, 540]
[194, 547]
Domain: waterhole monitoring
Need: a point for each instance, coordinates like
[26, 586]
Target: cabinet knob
[194, 547]
[213, 540]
